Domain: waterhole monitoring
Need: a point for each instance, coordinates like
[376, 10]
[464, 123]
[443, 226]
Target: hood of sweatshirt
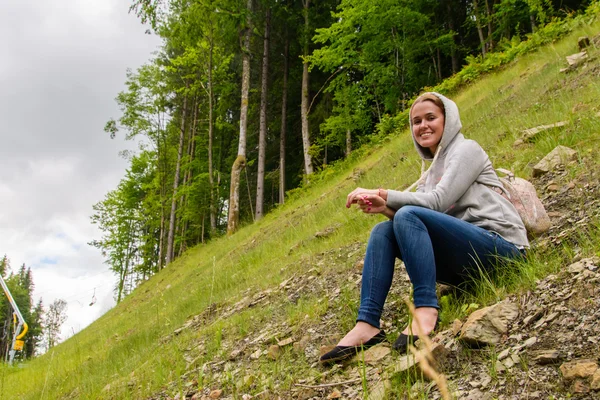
[452, 127]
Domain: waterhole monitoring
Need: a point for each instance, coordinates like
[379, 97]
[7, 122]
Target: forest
[247, 102]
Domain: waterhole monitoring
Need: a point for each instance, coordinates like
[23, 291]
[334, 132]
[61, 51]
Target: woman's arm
[462, 167]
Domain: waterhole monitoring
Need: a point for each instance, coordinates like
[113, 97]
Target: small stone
[578, 369]
[559, 155]
[477, 394]
[500, 367]
[508, 363]
[285, 342]
[358, 266]
[375, 354]
[456, 326]
[596, 380]
[489, 325]
[575, 268]
[301, 344]
[410, 361]
[529, 134]
[215, 394]
[530, 342]
[378, 391]
[256, 355]
[553, 187]
[274, 352]
[503, 354]
[579, 386]
[335, 394]
[575, 59]
[544, 357]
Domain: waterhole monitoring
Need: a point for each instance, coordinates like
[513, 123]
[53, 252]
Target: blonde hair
[433, 98]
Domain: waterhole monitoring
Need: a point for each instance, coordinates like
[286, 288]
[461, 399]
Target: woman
[455, 223]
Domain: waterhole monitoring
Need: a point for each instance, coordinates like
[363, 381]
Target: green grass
[131, 352]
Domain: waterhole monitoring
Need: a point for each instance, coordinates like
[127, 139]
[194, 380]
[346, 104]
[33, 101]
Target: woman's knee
[383, 229]
[406, 212]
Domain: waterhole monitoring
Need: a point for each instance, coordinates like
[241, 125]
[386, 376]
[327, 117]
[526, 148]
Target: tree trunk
[171, 236]
[479, 28]
[187, 178]
[240, 161]
[348, 142]
[490, 38]
[308, 169]
[211, 182]
[262, 136]
[283, 121]
[453, 54]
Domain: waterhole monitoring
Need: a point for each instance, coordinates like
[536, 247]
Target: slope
[206, 322]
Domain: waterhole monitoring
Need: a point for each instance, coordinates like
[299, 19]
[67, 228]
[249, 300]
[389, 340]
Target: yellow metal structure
[18, 343]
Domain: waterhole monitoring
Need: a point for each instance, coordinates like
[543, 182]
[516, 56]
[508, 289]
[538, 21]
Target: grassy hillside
[294, 274]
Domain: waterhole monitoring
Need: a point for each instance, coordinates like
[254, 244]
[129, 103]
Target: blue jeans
[434, 247]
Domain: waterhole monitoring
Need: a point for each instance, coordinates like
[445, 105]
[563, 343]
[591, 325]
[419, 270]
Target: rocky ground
[540, 344]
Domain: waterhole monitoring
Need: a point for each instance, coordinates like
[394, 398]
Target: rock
[336, 394]
[503, 354]
[530, 342]
[529, 134]
[578, 369]
[586, 263]
[575, 59]
[328, 231]
[285, 342]
[410, 361]
[544, 357]
[580, 386]
[488, 325]
[560, 155]
[359, 265]
[477, 394]
[274, 352]
[379, 391]
[456, 326]
[583, 42]
[256, 355]
[596, 380]
[301, 345]
[375, 354]
[215, 394]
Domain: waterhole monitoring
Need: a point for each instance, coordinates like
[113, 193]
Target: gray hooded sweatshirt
[460, 181]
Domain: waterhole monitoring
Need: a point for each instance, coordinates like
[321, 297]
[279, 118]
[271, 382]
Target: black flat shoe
[401, 344]
[340, 353]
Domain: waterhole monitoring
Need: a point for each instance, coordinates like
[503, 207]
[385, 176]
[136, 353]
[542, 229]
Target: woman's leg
[438, 247]
[378, 272]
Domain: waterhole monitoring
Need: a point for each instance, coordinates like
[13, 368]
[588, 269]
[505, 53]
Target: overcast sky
[62, 63]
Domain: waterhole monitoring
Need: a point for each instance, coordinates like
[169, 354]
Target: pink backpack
[521, 193]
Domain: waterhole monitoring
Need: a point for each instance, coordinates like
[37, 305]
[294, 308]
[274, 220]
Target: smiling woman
[454, 226]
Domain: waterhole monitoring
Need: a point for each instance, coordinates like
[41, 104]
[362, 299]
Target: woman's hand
[354, 196]
[371, 204]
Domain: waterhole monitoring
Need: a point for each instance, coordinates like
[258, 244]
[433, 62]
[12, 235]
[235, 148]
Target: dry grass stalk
[425, 357]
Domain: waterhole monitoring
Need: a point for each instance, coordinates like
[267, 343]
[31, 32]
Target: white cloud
[63, 62]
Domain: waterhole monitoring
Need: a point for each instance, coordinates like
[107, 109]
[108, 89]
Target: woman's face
[427, 124]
